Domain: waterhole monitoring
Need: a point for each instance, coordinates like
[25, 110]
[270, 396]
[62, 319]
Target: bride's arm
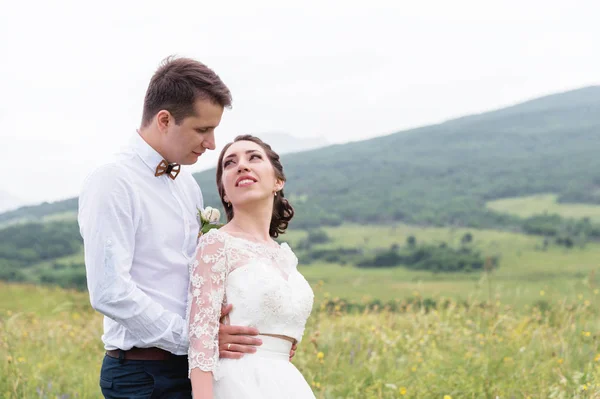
[202, 384]
[207, 289]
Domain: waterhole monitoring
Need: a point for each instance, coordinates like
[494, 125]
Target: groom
[138, 219]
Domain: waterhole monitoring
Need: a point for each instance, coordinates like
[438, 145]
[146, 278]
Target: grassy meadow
[544, 203]
[50, 348]
[526, 273]
[529, 329]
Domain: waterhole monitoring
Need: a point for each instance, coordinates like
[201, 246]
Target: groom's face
[185, 142]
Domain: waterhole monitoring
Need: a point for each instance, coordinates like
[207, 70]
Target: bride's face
[248, 175]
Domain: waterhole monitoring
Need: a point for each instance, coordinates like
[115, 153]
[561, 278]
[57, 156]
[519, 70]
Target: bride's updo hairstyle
[282, 210]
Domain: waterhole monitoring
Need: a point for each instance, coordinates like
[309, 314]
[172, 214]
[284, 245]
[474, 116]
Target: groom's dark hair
[176, 86]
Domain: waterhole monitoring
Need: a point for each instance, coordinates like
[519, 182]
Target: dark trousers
[145, 379]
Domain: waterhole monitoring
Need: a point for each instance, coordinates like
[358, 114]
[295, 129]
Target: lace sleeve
[207, 289]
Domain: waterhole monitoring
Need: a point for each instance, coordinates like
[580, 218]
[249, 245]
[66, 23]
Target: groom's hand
[293, 351]
[234, 341]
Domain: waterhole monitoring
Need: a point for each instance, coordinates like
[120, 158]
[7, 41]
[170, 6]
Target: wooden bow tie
[172, 170]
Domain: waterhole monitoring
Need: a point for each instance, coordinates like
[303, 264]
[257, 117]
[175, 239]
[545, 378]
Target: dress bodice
[261, 282]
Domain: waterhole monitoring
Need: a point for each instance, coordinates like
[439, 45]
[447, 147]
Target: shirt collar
[148, 154]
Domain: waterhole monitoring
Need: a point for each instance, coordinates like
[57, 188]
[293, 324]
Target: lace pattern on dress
[269, 292]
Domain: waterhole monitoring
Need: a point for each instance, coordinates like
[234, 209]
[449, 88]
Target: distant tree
[466, 239]
[317, 237]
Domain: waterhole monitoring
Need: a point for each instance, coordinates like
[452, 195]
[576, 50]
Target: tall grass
[50, 347]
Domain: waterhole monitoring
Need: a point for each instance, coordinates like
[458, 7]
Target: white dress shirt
[140, 233]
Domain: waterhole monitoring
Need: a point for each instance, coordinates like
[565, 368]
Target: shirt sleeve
[108, 218]
[207, 291]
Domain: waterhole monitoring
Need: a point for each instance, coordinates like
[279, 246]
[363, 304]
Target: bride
[242, 265]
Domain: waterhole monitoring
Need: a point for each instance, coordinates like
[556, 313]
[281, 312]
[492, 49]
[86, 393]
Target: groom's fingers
[293, 351]
[224, 312]
[241, 349]
[237, 330]
[243, 340]
[226, 309]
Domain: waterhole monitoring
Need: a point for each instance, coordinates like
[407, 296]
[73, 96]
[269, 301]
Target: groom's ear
[163, 118]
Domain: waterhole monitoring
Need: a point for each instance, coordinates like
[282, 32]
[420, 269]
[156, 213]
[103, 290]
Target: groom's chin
[190, 159]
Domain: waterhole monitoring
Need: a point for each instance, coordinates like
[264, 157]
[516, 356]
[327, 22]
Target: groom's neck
[151, 136]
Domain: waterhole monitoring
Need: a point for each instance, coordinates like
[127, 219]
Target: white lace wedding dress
[268, 293]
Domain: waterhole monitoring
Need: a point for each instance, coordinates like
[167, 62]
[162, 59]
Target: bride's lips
[198, 153]
[245, 177]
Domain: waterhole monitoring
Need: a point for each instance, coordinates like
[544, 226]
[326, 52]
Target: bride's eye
[255, 155]
[227, 163]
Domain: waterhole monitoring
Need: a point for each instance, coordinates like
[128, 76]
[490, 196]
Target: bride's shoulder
[213, 237]
[288, 252]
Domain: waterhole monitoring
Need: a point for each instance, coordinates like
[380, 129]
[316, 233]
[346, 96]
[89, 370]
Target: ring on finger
[228, 346]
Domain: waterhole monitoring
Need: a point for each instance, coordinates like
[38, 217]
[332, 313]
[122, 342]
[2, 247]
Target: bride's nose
[242, 167]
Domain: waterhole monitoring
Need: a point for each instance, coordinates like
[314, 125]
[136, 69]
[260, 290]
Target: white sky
[73, 74]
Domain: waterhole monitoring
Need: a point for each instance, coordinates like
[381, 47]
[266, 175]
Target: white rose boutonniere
[209, 219]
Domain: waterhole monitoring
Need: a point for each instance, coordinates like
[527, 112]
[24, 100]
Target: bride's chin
[251, 201]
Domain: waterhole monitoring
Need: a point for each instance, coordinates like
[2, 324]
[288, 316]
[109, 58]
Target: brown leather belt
[141, 354]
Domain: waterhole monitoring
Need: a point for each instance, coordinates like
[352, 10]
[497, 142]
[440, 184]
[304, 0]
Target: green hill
[442, 174]
[485, 171]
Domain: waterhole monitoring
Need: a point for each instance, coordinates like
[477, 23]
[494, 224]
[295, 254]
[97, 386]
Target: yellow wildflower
[403, 391]
[320, 355]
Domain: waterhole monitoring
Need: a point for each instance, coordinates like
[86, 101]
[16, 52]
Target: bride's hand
[235, 341]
